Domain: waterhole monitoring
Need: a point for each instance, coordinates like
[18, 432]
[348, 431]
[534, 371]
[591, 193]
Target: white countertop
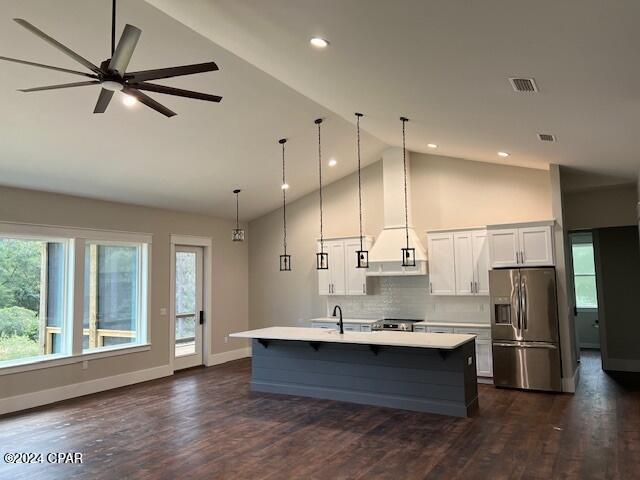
[431, 323]
[444, 341]
[362, 321]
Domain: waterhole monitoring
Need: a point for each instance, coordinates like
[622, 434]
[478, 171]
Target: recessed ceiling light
[432, 145]
[333, 162]
[319, 42]
[129, 100]
[503, 154]
[284, 186]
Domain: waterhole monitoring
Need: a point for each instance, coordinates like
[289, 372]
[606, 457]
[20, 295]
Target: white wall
[229, 272]
[446, 193]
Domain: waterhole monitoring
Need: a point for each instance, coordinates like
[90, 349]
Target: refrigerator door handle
[518, 305]
[549, 346]
[523, 302]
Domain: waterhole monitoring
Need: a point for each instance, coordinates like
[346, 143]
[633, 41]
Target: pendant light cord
[404, 164]
[358, 115]
[284, 202]
[113, 28]
[319, 122]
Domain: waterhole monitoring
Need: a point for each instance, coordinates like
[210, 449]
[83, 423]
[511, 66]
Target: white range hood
[385, 257]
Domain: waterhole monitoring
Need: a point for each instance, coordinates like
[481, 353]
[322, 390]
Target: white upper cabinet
[458, 262]
[480, 250]
[442, 272]
[343, 277]
[463, 251]
[526, 245]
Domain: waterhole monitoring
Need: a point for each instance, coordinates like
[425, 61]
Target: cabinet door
[439, 330]
[356, 281]
[463, 252]
[480, 249]
[442, 274]
[337, 267]
[351, 327]
[420, 328]
[324, 276]
[484, 359]
[325, 325]
[536, 246]
[504, 247]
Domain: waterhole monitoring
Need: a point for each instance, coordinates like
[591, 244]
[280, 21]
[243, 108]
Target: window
[113, 295]
[33, 300]
[584, 275]
[47, 272]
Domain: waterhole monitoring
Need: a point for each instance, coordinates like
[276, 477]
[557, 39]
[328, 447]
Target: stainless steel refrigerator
[524, 328]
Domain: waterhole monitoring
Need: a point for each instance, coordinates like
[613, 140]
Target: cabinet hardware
[521, 257]
[430, 287]
[471, 286]
[364, 288]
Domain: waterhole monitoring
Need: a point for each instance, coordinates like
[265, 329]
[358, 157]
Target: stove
[396, 324]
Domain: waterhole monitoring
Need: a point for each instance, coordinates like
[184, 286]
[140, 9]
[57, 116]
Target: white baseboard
[44, 397]
[569, 384]
[622, 364]
[224, 357]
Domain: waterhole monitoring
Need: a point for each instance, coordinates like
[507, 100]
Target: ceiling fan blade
[148, 101]
[124, 50]
[152, 87]
[103, 100]
[63, 85]
[57, 44]
[59, 69]
[171, 72]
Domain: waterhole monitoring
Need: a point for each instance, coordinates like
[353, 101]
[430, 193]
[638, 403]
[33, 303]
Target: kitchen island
[426, 372]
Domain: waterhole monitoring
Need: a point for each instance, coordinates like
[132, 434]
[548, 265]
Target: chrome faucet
[337, 308]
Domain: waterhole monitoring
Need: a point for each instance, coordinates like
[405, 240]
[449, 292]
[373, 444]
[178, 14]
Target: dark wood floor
[204, 423]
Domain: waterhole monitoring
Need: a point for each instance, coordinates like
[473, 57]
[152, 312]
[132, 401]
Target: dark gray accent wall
[617, 252]
[399, 377]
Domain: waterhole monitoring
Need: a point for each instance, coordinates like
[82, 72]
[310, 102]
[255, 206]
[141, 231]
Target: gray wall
[618, 268]
[446, 193]
[229, 289]
[611, 206]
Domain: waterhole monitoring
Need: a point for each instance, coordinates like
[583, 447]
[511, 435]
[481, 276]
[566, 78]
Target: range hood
[385, 257]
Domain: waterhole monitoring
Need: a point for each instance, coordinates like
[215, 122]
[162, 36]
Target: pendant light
[408, 254]
[322, 258]
[362, 254]
[237, 234]
[285, 260]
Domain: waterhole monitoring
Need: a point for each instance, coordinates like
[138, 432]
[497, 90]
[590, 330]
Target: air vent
[546, 137]
[526, 85]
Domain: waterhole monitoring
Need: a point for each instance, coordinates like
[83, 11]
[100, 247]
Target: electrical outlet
[85, 364]
[469, 360]
[163, 311]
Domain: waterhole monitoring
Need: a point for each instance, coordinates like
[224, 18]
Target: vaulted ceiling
[443, 63]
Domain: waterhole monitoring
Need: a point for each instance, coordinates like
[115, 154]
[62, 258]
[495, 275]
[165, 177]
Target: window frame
[578, 241]
[75, 240]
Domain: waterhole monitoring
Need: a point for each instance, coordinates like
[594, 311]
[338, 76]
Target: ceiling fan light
[319, 42]
[129, 100]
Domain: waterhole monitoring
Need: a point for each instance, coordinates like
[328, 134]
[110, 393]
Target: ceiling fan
[112, 76]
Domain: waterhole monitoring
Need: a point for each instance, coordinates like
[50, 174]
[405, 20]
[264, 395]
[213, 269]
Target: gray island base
[419, 378]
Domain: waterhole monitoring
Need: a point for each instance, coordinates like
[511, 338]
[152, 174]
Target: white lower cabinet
[347, 327]
[484, 358]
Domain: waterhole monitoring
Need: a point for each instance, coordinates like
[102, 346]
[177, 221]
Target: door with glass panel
[189, 312]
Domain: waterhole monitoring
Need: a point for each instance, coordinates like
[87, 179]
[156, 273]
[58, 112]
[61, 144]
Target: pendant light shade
[322, 258]
[285, 260]
[237, 234]
[362, 254]
[408, 253]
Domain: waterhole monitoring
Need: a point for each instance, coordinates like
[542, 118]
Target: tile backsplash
[408, 297]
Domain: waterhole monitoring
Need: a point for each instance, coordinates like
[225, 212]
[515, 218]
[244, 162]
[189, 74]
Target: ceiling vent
[546, 137]
[525, 85]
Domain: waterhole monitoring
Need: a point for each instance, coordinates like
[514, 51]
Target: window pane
[32, 278]
[185, 303]
[583, 263]
[586, 293]
[111, 308]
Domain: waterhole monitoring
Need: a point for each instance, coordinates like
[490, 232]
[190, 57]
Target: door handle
[201, 317]
[523, 300]
[548, 346]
